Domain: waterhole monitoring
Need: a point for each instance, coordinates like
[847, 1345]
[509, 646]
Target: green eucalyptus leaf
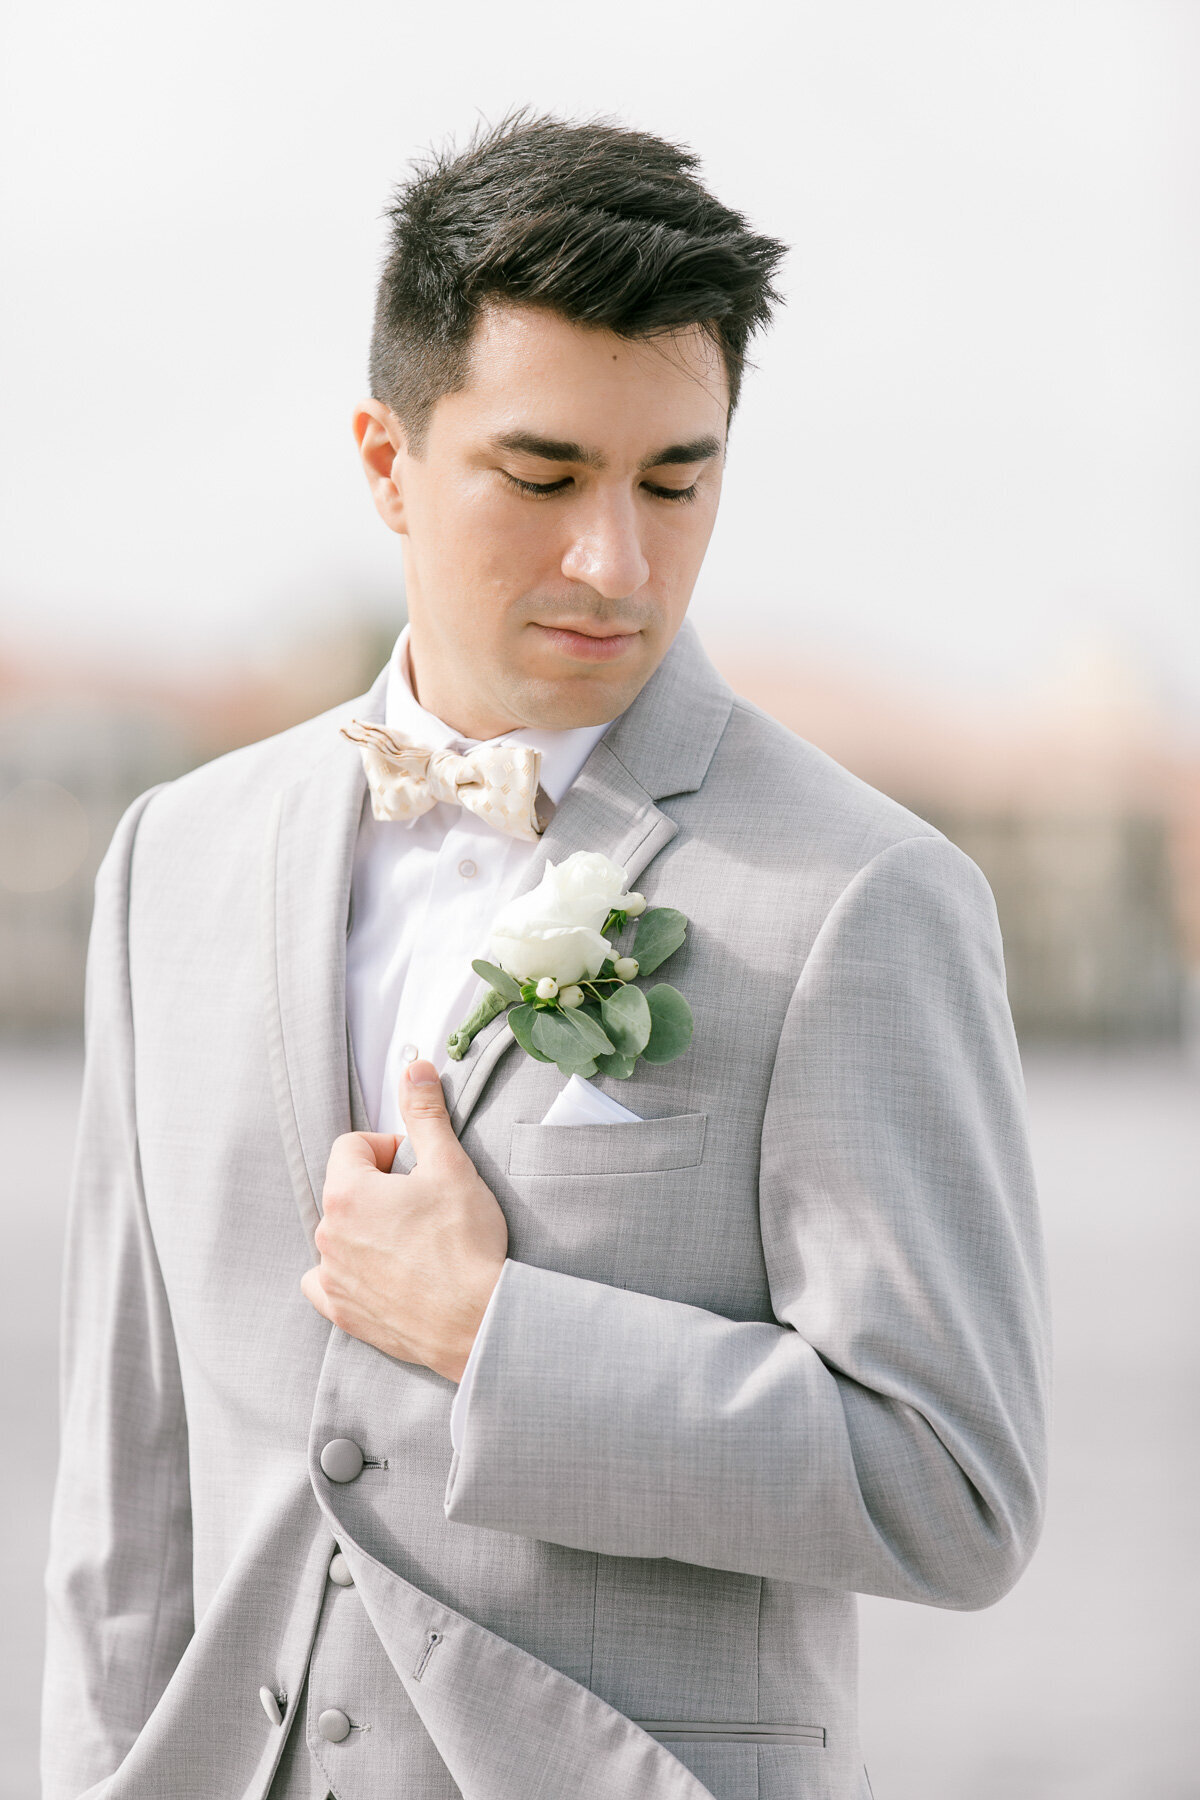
[671, 1027]
[627, 1020]
[582, 1069]
[521, 1019]
[659, 934]
[617, 1067]
[586, 1021]
[569, 1036]
[503, 984]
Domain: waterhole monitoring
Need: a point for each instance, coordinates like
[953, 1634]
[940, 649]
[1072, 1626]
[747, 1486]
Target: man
[776, 1338]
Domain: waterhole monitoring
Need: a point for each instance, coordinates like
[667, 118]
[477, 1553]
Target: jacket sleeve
[119, 1576]
[887, 1433]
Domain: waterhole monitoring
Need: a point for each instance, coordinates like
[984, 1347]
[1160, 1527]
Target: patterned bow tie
[496, 782]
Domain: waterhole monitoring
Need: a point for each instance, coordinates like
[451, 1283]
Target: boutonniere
[571, 993]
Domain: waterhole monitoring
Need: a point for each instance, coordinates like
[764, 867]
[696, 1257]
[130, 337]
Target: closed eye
[543, 489]
[665, 493]
[536, 487]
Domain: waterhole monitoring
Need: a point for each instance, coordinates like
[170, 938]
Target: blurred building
[1086, 905]
[67, 773]
[1079, 807]
[77, 746]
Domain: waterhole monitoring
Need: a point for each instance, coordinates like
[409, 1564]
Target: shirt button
[410, 1053]
[339, 1572]
[270, 1705]
[342, 1460]
[467, 868]
[333, 1725]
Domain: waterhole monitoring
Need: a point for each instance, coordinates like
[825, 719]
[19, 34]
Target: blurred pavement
[1082, 1682]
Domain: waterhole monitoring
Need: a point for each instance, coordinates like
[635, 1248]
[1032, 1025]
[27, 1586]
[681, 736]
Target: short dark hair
[603, 225]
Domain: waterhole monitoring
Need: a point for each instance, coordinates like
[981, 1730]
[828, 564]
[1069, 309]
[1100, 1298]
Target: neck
[460, 715]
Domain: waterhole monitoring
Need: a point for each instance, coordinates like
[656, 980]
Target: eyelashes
[675, 494]
[539, 490]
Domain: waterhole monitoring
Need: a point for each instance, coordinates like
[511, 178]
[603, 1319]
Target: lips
[587, 646]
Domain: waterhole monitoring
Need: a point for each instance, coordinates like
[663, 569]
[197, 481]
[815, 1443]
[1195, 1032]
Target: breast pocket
[647, 1147]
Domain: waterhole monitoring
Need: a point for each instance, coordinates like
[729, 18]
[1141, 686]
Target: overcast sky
[971, 446]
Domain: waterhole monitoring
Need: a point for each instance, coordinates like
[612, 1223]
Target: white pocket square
[580, 1103]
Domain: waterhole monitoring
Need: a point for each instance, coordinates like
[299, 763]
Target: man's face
[556, 518]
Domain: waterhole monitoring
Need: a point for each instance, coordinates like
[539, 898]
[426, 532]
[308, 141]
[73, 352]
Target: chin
[569, 703]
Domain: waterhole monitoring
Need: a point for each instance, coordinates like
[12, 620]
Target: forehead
[532, 369]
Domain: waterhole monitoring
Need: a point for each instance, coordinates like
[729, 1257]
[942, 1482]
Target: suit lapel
[605, 810]
[308, 863]
[661, 745]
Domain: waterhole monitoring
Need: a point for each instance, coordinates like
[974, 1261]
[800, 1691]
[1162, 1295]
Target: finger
[383, 1147]
[314, 1293]
[423, 1109]
[360, 1150]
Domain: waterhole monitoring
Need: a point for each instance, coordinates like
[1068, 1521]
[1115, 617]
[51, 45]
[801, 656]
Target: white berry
[625, 968]
[633, 905]
[571, 996]
[547, 987]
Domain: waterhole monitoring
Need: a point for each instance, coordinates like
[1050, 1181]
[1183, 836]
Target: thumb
[423, 1109]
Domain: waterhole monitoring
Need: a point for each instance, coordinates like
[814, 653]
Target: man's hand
[408, 1262]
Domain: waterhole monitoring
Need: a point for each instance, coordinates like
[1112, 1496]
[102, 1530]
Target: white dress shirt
[422, 899]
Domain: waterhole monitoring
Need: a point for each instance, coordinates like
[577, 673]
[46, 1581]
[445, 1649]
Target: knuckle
[335, 1196]
[427, 1105]
[333, 1297]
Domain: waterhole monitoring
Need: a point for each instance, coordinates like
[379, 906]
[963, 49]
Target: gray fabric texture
[782, 1341]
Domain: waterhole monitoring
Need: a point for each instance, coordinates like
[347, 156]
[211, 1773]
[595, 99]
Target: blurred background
[957, 550]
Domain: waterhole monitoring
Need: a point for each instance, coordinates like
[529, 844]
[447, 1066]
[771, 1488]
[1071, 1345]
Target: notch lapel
[307, 867]
[605, 810]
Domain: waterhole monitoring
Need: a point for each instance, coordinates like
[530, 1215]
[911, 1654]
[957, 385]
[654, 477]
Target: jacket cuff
[462, 1400]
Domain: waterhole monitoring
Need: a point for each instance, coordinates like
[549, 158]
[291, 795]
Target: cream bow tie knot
[496, 782]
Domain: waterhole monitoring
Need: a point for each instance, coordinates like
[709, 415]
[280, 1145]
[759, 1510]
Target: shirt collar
[563, 752]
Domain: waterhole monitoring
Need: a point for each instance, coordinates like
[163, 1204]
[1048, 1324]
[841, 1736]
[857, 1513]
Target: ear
[382, 445]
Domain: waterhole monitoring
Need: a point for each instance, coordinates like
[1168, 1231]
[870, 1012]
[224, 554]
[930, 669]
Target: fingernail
[422, 1074]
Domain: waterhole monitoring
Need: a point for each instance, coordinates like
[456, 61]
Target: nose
[605, 552]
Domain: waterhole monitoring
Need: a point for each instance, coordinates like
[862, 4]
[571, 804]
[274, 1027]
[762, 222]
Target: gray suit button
[270, 1705]
[342, 1459]
[339, 1571]
[333, 1725]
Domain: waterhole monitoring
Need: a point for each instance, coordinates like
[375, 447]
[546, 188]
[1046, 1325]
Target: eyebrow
[561, 450]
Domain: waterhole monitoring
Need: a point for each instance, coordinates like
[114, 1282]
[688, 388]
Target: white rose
[555, 930]
[581, 891]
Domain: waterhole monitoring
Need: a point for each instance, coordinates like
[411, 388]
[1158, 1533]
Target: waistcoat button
[333, 1725]
[339, 1571]
[342, 1459]
[270, 1705]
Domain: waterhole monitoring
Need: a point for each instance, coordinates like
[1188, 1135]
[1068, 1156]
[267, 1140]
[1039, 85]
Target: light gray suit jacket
[782, 1341]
